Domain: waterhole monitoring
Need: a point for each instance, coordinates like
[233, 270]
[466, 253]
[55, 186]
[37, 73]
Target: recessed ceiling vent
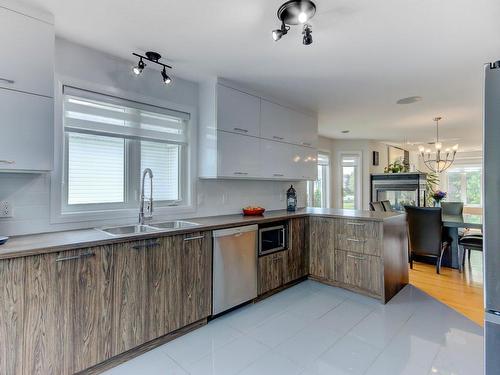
[409, 100]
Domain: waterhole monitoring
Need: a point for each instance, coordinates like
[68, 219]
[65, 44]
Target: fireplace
[401, 189]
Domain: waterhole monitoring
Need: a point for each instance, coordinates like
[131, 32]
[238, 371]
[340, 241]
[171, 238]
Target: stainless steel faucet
[149, 207]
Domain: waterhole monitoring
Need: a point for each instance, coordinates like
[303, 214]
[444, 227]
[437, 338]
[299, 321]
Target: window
[109, 141]
[464, 184]
[319, 190]
[350, 171]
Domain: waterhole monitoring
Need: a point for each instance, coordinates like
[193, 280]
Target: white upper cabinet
[237, 111]
[237, 156]
[276, 160]
[27, 53]
[26, 125]
[280, 123]
[305, 163]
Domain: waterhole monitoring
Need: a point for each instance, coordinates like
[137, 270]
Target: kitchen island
[87, 300]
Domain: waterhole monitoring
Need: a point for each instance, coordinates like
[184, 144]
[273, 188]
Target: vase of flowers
[438, 196]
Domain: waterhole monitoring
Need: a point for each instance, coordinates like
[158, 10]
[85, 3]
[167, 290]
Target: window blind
[92, 113]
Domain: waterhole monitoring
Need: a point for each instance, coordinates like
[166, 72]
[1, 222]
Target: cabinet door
[238, 155]
[27, 131]
[270, 272]
[84, 292]
[360, 271]
[237, 111]
[196, 269]
[12, 273]
[130, 294]
[305, 163]
[276, 159]
[27, 54]
[276, 122]
[305, 129]
[296, 265]
[322, 247]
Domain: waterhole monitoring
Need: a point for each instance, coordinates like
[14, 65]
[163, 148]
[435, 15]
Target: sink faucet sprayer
[149, 207]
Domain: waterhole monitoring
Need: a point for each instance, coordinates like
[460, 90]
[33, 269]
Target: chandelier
[439, 160]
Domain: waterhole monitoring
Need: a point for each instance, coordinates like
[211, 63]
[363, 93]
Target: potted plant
[397, 167]
[438, 196]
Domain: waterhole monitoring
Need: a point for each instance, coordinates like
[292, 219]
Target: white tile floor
[314, 329]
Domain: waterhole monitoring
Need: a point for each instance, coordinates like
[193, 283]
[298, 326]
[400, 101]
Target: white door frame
[358, 204]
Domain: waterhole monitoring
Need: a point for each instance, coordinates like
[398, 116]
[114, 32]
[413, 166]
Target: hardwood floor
[461, 291]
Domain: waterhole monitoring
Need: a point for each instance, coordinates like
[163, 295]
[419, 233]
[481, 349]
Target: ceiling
[366, 55]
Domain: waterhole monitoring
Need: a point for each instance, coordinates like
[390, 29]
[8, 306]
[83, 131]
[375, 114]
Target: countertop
[19, 246]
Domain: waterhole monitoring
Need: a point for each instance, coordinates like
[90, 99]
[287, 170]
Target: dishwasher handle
[235, 231]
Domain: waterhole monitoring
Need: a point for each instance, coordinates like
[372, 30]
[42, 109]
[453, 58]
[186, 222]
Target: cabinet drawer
[361, 245]
[359, 270]
[358, 228]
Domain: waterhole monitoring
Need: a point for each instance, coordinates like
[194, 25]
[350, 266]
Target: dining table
[451, 225]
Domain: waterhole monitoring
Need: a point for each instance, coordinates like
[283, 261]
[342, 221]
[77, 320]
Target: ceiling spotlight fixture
[139, 67]
[307, 35]
[295, 12]
[154, 57]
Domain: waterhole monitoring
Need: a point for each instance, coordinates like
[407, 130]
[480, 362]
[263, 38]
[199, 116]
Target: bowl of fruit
[253, 210]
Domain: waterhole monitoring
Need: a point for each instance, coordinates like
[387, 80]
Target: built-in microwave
[272, 238]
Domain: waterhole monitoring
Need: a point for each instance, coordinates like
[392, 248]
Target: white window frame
[358, 203]
[463, 183]
[117, 215]
[327, 188]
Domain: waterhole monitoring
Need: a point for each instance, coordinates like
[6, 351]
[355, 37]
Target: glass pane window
[319, 191]
[350, 189]
[465, 185]
[96, 169]
[163, 159]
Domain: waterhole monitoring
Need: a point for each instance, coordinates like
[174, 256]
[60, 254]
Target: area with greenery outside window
[464, 184]
[109, 141]
[319, 191]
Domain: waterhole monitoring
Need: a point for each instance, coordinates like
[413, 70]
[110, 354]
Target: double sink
[151, 228]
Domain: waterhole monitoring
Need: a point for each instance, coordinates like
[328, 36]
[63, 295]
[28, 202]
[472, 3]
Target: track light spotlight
[307, 35]
[139, 67]
[166, 79]
[278, 33]
[295, 12]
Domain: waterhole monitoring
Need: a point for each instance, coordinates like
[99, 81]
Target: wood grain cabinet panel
[359, 270]
[297, 259]
[11, 315]
[270, 272]
[363, 245]
[196, 269]
[322, 247]
[359, 228]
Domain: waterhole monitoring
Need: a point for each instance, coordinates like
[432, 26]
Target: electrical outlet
[5, 209]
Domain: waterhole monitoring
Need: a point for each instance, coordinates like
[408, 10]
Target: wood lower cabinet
[64, 312]
[270, 272]
[359, 270]
[322, 247]
[12, 273]
[296, 263]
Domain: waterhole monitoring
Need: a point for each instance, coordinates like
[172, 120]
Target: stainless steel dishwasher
[235, 267]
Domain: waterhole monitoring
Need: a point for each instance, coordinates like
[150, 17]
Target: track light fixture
[153, 57]
[295, 12]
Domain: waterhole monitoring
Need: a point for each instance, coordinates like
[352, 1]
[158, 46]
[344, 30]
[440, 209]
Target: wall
[30, 194]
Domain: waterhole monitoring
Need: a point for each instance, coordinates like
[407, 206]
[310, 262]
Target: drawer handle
[306, 144]
[241, 173]
[355, 240]
[79, 256]
[240, 130]
[355, 257]
[6, 80]
[194, 238]
[148, 245]
[278, 174]
[7, 162]
[278, 138]
[356, 224]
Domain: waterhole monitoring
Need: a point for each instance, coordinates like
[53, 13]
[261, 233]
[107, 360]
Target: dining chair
[376, 206]
[468, 243]
[425, 233]
[452, 208]
[387, 206]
